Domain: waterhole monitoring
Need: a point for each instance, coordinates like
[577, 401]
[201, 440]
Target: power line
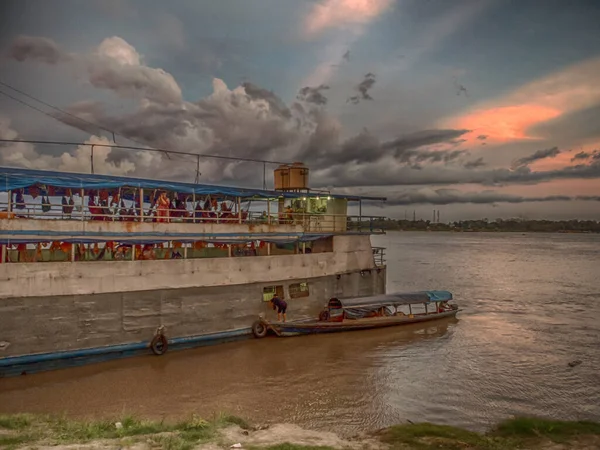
[129, 147]
[100, 127]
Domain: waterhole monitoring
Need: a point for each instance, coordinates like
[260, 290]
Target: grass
[21, 429]
[522, 432]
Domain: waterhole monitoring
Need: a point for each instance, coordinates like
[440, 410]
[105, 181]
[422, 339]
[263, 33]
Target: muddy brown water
[531, 305]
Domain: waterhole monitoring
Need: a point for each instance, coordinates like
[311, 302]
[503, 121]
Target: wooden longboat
[362, 313]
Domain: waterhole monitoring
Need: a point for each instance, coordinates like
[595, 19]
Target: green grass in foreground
[22, 429]
[521, 432]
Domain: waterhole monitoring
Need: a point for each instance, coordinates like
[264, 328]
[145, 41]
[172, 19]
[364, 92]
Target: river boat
[363, 313]
[95, 267]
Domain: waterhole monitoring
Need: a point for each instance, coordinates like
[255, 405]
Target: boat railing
[79, 210]
[379, 256]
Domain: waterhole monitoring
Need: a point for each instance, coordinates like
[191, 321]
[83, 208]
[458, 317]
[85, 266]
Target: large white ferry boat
[95, 267]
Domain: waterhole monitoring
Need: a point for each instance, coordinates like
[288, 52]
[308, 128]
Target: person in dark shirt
[279, 305]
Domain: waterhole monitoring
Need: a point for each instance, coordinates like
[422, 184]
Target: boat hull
[315, 327]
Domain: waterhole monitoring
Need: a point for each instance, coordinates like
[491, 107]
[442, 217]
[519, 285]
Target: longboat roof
[397, 299]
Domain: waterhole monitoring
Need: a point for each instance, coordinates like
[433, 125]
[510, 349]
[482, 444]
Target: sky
[475, 108]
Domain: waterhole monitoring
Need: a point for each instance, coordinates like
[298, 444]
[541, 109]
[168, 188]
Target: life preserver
[159, 344]
[259, 329]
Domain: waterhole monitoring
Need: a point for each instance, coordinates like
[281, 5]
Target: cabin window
[298, 290]
[270, 291]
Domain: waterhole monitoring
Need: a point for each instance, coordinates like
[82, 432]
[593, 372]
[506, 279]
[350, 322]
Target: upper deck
[44, 206]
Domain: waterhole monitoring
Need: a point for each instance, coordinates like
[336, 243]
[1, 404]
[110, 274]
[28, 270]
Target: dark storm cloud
[256, 92]
[540, 154]
[453, 196]
[36, 48]
[474, 164]
[581, 156]
[313, 95]
[365, 86]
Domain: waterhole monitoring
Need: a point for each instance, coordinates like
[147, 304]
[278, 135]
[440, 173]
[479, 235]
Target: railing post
[82, 193]
[194, 207]
[141, 204]
[268, 211]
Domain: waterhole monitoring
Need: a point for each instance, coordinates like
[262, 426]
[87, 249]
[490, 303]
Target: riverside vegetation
[498, 225]
[23, 431]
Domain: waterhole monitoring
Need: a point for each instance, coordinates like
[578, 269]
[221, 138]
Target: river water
[531, 305]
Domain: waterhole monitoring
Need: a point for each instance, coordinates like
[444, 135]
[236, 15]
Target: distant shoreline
[484, 225]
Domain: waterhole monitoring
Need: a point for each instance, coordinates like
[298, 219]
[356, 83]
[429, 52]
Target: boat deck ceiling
[397, 299]
[16, 178]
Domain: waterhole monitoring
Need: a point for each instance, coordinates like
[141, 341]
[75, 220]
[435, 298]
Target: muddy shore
[24, 431]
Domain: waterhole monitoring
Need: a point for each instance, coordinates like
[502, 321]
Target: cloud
[512, 117]
[35, 48]
[453, 196]
[482, 137]
[343, 13]
[20, 154]
[115, 65]
[540, 154]
[313, 95]
[474, 164]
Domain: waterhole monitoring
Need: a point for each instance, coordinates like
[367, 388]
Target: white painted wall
[351, 253]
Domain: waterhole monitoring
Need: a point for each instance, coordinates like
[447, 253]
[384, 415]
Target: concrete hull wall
[65, 306]
[44, 324]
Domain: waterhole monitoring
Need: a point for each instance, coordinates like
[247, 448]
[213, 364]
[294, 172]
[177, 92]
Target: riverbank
[223, 432]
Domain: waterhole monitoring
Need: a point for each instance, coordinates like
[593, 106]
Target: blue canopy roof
[397, 299]
[15, 178]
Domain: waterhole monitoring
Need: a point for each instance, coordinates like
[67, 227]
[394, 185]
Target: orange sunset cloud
[510, 117]
[332, 13]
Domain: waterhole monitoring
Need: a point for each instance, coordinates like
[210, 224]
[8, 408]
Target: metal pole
[82, 193]
[265, 176]
[92, 158]
[194, 206]
[268, 211]
[9, 202]
[3, 257]
[197, 170]
[239, 208]
[359, 214]
[141, 204]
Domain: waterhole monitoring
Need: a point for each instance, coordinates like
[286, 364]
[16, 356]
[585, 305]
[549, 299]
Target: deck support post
[185, 247]
[229, 250]
[9, 202]
[141, 204]
[3, 257]
[304, 248]
[82, 193]
[239, 209]
[194, 207]
[268, 211]
[268, 249]
[133, 252]
[73, 252]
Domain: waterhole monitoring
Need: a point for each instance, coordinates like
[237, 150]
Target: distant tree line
[500, 225]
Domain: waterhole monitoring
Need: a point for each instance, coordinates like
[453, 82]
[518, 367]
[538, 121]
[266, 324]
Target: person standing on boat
[162, 208]
[279, 305]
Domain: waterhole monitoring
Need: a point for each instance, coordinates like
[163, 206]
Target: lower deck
[41, 328]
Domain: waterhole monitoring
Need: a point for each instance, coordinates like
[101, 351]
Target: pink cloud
[337, 13]
[509, 118]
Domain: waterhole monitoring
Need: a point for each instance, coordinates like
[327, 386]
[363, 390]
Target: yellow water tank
[282, 177]
[298, 178]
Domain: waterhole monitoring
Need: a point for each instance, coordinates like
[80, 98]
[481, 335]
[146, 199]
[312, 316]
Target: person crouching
[280, 306]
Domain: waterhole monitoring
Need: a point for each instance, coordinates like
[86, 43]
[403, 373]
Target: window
[298, 290]
[270, 291]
